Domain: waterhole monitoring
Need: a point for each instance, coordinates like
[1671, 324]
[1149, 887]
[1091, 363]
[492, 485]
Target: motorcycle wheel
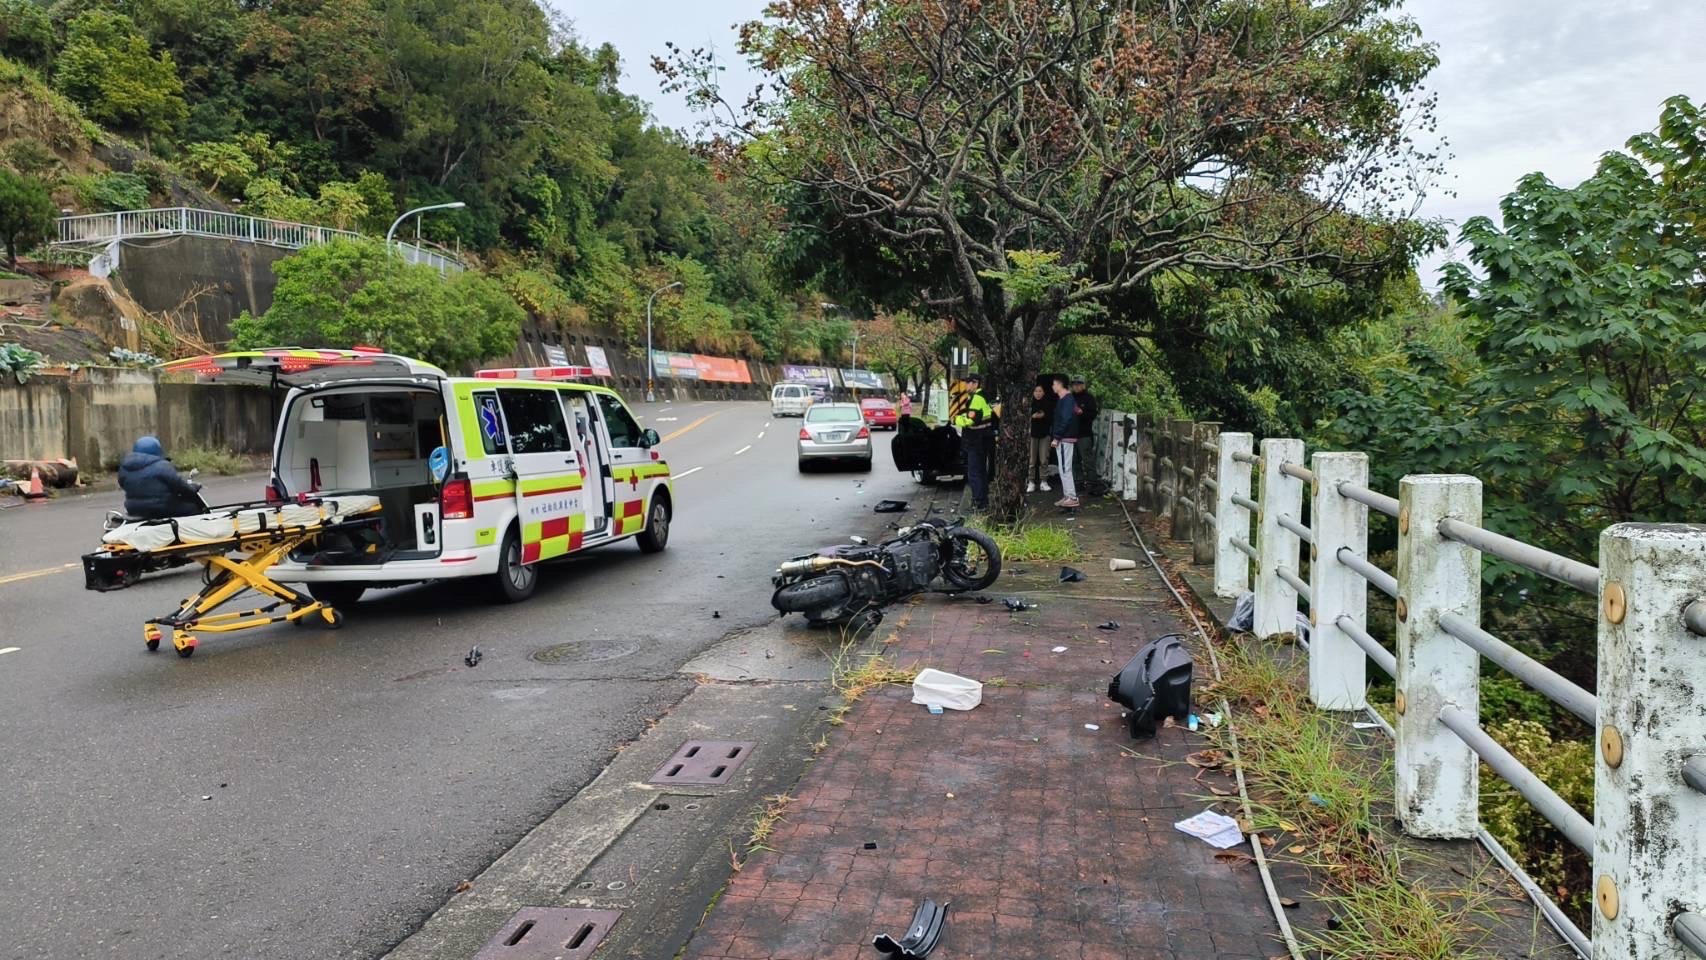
[976, 560]
[817, 593]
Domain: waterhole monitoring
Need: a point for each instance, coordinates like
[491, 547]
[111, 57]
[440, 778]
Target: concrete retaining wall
[96, 414]
[235, 276]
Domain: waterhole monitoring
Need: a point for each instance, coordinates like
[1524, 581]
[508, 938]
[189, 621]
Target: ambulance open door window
[624, 432]
[535, 419]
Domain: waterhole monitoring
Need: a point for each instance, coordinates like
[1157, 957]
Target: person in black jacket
[153, 488]
[1042, 416]
[1088, 409]
[1064, 431]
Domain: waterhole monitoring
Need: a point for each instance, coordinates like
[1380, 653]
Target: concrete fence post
[1129, 460]
[1203, 493]
[1231, 566]
[1146, 493]
[1438, 775]
[1276, 600]
[1649, 856]
[1183, 433]
[1338, 668]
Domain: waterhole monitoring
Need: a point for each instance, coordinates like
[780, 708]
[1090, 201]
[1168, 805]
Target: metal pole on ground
[651, 365]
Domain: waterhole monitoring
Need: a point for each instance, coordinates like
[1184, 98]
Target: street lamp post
[651, 365]
[453, 205]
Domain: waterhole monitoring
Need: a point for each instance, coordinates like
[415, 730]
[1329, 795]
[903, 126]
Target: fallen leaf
[465, 886]
[1207, 759]
[1288, 903]
[1219, 791]
[1233, 856]
[1300, 848]
[1288, 826]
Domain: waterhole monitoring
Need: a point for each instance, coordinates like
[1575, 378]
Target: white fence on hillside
[100, 229]
[1291, 529]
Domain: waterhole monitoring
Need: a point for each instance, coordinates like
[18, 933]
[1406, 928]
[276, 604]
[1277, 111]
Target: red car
[880, 413]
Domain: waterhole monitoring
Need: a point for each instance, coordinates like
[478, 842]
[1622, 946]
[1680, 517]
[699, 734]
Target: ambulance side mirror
[649, 438]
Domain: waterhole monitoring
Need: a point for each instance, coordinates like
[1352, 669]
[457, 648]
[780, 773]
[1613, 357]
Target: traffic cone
[36, 492]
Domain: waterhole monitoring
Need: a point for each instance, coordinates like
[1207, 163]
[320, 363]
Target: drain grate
[705, 762]
[550, 933]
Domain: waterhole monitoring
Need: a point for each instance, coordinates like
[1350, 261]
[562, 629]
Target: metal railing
[1647, 836]
[100, 229]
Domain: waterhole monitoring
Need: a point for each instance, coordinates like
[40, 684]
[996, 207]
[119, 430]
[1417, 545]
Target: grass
[1034, 542]
[211, 460]
[764, 824]
[1313, 796]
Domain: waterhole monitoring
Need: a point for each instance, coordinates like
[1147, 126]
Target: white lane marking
[665, 419]
[766, 424]
[743, 449]
[666, 409]
[6, 650]
[761, 434]
[687, 473]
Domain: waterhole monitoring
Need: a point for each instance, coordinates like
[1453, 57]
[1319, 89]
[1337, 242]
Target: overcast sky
[1523, 85]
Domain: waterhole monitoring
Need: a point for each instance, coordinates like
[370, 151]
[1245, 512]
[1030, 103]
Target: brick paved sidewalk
[1048, 838]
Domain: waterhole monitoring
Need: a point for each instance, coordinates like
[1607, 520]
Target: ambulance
[483, 476]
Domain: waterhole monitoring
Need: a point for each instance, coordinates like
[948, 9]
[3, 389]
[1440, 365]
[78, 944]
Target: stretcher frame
[224, 578]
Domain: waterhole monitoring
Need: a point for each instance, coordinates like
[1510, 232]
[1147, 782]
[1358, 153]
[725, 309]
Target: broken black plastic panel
[921, 936]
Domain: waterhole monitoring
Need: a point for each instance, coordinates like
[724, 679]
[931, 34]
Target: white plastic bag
[948, 690]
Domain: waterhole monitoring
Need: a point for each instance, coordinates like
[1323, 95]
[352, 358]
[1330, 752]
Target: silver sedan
[835, 431]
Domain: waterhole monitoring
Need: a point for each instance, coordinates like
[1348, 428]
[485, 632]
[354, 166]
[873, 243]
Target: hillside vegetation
[346, 113]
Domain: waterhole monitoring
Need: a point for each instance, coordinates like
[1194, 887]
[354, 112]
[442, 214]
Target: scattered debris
[1091, 726]
[474, 657]
[922, 934]
[1109, 625]
[870, 845]
[889, 506]
[1191, 723]
[1072, 575]
[1362, 725]
[716, 614]
[1215, 829]
[1116, 564]
[983, 599]
[1212, 718]
[935, 709]
[1243, 618]
[1318, 800]
[1156, 683]
[1016, 605]
[938, 687]
[1058, 650]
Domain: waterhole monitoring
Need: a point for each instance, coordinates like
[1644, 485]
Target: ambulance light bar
[534, 373]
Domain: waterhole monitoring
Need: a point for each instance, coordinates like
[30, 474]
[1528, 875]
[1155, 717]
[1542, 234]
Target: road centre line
[743, 449]
[31, 574]
[677, 433]
[6, 650]
[687, 473]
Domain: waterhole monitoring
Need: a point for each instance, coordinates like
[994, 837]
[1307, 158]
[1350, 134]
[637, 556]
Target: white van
[790, 399]
[476, 476]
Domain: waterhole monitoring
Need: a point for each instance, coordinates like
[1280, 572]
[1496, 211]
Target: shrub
[31, 157]
[108, 69]
[119, 191]
[1567, 766]
[222, 463]
[19, 361]
[26, 213]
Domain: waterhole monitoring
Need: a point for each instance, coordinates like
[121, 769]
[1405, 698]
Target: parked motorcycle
[840, 583]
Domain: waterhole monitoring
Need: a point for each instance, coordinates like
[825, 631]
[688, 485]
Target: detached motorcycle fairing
[842, 582]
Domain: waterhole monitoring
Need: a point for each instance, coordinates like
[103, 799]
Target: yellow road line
[677, 433]
[31, 574]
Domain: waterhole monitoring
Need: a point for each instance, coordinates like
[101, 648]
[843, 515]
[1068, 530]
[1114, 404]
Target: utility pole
[651, 365]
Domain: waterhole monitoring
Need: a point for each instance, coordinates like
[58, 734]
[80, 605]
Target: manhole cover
[550, 933]
[584, 651]
[705, 762]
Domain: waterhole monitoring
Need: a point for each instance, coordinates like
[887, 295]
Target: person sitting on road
[153, 488]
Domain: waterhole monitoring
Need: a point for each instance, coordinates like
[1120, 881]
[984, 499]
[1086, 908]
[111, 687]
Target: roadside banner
[596, 359]
[556, 356]
[862, 379]
[818, 376]
[681, 365]
[722, 369]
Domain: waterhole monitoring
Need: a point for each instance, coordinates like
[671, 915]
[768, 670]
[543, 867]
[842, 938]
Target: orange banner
[722, 369]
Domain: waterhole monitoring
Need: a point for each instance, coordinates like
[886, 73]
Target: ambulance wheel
[337, 594]
[656, 535]
[515, 581]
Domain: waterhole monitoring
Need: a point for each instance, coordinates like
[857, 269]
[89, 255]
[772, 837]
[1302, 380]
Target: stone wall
[96, 414]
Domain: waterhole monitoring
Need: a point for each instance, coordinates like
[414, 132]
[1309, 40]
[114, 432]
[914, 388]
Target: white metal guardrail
[99, 229]
[1647, 837]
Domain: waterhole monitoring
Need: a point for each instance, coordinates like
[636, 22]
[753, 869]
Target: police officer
[977, 440]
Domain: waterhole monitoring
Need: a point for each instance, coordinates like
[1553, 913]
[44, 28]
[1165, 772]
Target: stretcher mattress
[228, 524]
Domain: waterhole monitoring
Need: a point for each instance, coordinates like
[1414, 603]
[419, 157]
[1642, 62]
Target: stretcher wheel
[332, 617]
[151, 637]
[187, 652]
[184, 643]
[152, 643]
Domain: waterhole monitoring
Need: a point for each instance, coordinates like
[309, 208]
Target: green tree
[347, 292]
[971, 141]
[220, 162]
[26, 32]
[27, 213]
[109, 70]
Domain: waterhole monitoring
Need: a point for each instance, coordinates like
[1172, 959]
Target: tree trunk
[1012, 445]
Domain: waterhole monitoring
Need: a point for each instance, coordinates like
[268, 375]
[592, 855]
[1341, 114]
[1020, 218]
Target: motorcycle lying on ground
[841, 583]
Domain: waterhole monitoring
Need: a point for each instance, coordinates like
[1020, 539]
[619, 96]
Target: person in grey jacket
[153, 488]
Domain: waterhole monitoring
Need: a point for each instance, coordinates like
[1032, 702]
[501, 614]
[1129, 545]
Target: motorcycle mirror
[860, 541]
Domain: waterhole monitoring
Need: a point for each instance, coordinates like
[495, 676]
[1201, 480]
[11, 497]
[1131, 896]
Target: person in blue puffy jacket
[153, 488]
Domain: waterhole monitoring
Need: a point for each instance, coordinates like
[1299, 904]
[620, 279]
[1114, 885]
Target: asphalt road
[290, 793]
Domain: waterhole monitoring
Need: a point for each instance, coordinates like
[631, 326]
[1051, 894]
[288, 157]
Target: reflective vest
[975, 412]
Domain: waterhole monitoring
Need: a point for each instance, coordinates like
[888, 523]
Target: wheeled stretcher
[236, 545]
